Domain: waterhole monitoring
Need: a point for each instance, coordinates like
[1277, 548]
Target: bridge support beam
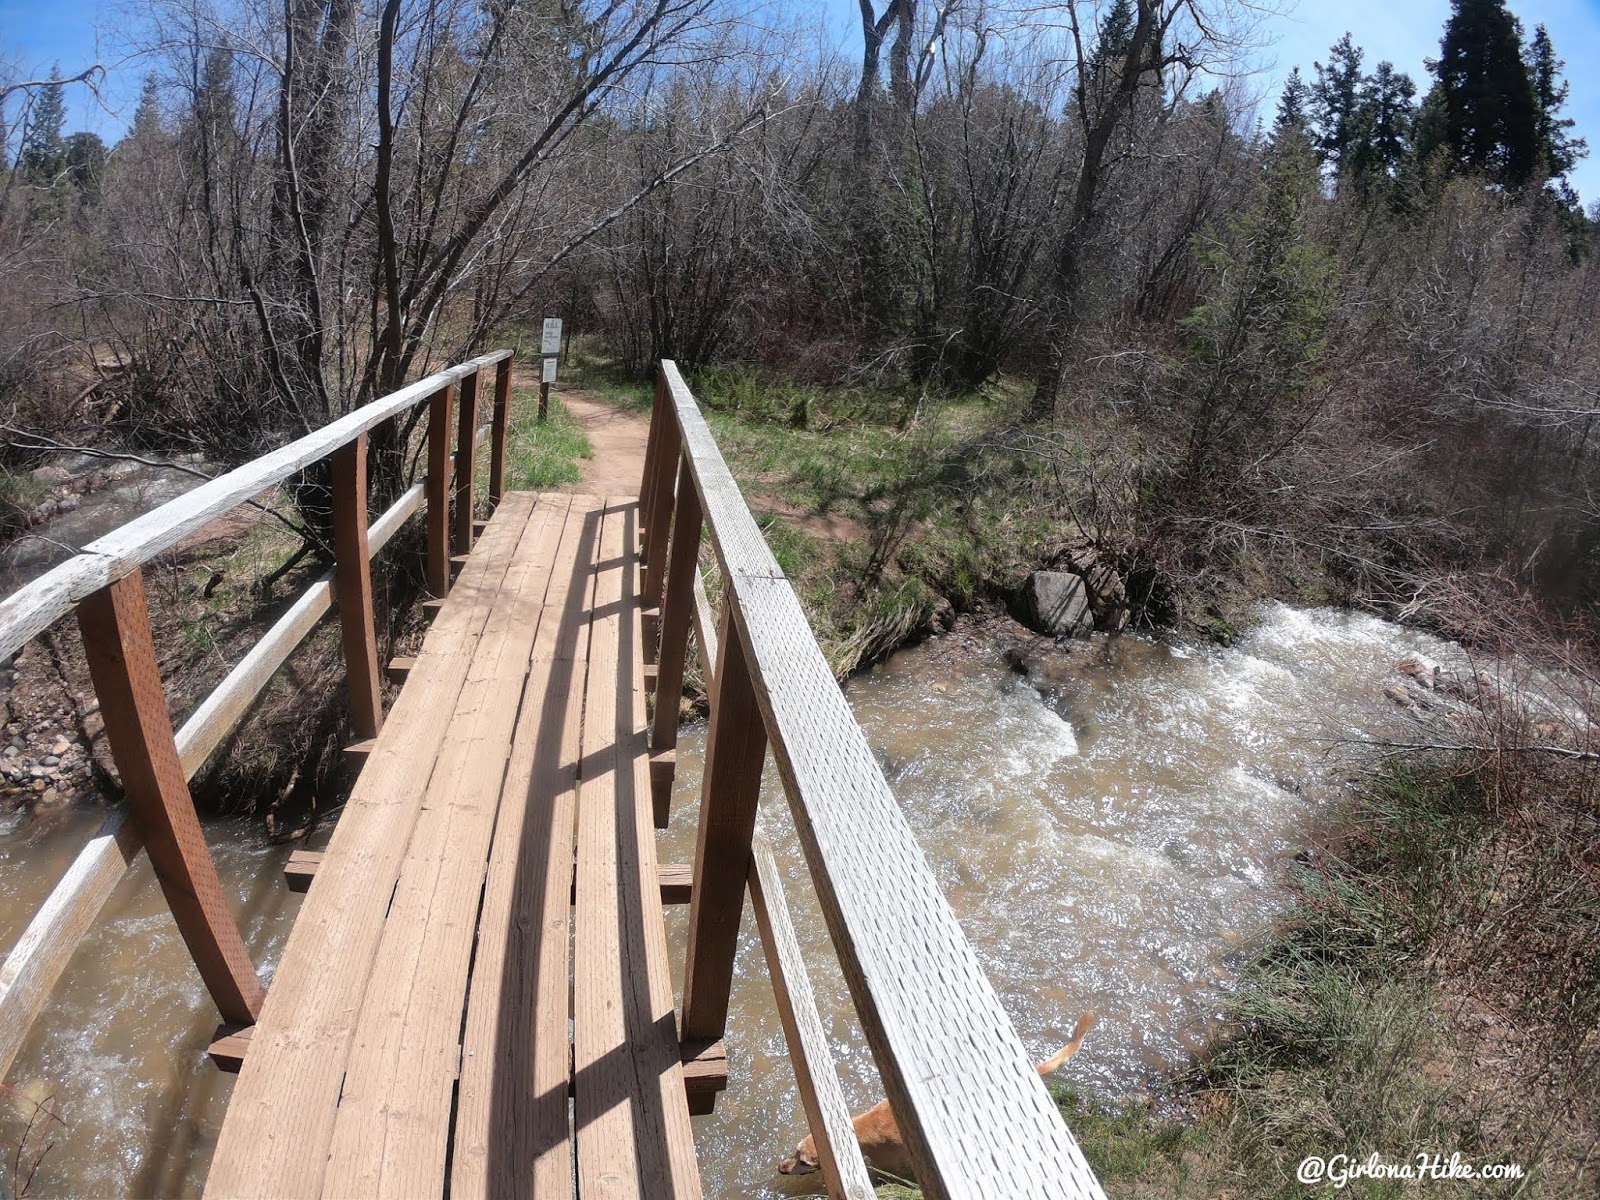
[118, 643]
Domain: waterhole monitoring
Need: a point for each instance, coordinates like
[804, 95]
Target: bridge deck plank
[631, 1114]
[391, 1131]
[512, 1126]
[416, 1037]
[280, 1118]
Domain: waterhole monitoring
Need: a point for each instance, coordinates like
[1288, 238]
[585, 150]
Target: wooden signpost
[549, 348]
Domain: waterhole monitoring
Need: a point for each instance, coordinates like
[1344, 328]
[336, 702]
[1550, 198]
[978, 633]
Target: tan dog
[880, 1136]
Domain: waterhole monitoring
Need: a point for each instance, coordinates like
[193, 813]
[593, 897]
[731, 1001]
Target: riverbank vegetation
[1346, 352]
[1434, 989]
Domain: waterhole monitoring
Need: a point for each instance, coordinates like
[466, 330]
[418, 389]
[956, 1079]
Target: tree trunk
[1100, 122]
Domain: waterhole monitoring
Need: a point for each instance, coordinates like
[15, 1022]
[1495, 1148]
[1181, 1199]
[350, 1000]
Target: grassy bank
[884, 506]
[541, 454]
[1435, 989]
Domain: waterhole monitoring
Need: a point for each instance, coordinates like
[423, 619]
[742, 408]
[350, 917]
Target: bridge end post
[353, 587]
[652, 459]
[677, 609]
[497, 435]
[466, 445]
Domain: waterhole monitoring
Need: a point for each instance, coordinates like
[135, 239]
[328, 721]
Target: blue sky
[36, 33]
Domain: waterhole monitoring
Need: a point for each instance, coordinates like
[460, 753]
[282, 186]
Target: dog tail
[1059, 1059]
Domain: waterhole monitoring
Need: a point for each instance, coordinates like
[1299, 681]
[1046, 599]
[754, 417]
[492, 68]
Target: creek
[125, 489]
[1112, 829]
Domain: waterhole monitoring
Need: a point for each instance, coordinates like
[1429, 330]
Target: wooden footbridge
[476, 997]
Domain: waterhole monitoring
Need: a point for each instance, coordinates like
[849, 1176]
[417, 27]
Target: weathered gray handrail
[976, 1118]
[844, 1172]
[155, 762]
[31, 609]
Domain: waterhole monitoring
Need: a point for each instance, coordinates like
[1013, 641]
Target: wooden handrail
[101, 583]
[977, 1120]
[36, 606]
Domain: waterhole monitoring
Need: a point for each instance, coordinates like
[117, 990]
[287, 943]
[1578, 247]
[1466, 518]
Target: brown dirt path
[618, 438]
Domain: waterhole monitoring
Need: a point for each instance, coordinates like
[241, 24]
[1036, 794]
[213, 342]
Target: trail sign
[549, 375]
[550, 343]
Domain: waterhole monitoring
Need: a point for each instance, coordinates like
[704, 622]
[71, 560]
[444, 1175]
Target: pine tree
[1291, 106]
[44, 150]
[1257, 340]
[1336, 105]
[209, 134]
[1112, 38]
[1490, 113]
[1387, 115]
[1559, 149]
[147, 124]
[1429, 137]
[85, 165]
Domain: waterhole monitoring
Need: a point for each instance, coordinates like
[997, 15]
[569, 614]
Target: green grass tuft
[543, 455]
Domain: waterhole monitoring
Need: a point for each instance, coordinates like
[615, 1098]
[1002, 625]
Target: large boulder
[1057, 604]
[1108, 595]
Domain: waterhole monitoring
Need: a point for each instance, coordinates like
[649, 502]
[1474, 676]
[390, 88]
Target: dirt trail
[618, 439]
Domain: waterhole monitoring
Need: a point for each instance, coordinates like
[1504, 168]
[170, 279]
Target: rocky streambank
[41, 767]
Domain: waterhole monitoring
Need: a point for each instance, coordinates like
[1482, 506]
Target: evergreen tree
[1291, 106]
[1387, 114]
[208, 136]
[1490, 113]
[1559, 149]
[1112, 38]
[146, 124]
[44, 150]
[85, 165]
[1429, 136]
[1257, 339]
[1336, 105]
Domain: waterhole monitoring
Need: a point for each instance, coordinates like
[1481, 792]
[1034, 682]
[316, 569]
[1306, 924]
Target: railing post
[677, 609]
[736, 750]
[652, 456]
[497, 435]
[466, 444]
[669, 446]
[438, 515]
[353, 587]
[127, 681]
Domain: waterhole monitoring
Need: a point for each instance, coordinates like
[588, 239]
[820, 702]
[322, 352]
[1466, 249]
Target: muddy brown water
[1110, 839]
